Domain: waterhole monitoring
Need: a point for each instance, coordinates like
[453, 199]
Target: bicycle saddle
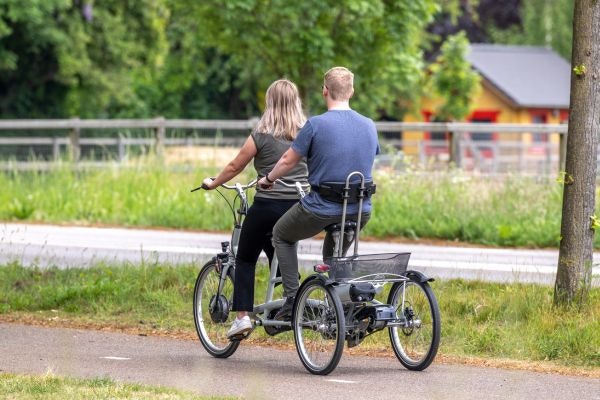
[349, 225]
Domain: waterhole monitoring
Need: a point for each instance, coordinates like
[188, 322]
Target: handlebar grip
[203, 186]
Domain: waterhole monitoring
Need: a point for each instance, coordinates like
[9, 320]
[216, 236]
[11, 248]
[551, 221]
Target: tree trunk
[573, 278]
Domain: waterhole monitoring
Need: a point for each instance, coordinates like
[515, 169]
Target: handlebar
[300, 187]
[226, 186]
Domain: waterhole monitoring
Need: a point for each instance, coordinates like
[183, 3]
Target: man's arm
[288, 160]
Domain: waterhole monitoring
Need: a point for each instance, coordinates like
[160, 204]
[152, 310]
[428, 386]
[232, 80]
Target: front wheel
[211, 311]
[319, 327]
[416, 341]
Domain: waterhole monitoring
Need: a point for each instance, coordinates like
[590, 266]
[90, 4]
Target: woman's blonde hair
[283, 114]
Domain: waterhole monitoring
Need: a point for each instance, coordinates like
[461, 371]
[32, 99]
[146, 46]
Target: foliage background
[215, 58]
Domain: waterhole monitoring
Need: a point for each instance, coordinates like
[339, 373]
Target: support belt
[334, 191]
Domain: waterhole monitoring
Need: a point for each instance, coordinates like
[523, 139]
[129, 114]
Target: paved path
[45, 245]
[265, 373]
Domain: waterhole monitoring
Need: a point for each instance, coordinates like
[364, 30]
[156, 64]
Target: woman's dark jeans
[255, 237]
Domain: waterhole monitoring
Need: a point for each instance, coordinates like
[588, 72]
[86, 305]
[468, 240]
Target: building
[519, 84]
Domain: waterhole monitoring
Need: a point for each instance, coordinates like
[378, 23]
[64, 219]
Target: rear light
[321, 268]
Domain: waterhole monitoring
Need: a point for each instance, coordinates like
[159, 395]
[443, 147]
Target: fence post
[562, 152]
[74, 137]
[454, 138]
[159, 144]
[422, 157]
[55, 149]
[120, 148]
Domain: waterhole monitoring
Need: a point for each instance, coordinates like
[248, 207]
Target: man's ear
[351, 94]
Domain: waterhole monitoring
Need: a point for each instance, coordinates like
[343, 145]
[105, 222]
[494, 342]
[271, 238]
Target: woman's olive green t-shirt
[269, 150]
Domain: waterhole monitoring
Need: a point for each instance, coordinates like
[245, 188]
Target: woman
[276, 130]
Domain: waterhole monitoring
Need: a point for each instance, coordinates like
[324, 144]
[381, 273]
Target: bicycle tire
[319, 327]
[212, 325]
[416, 344]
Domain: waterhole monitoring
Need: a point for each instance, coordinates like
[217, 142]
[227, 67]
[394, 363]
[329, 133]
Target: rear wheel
[319, 328]
[211, 311]
[416, 342]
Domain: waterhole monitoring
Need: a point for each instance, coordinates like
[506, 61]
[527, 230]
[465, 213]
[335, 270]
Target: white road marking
[340, 381]
[116, 358]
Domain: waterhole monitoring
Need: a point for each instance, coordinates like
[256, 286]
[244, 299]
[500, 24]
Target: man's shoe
[240, 327]
[285, 312]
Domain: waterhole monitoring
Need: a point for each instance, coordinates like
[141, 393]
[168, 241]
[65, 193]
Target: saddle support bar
[346, 195]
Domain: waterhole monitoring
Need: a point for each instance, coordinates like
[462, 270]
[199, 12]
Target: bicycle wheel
[319, 327]
[211, 312]
[416, 343]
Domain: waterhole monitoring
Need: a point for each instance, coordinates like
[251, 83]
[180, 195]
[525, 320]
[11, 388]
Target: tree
[573, 278]
[195, 80]
[543, 23]
[270, 39]
[520, 22]
[456, 83]
[475, 17]
[62, 58]
[453, 80]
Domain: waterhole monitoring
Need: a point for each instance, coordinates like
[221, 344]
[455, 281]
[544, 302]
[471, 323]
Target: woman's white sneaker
[240, 326]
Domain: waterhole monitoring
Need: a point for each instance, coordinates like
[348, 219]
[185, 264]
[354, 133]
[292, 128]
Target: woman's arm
[235, 166]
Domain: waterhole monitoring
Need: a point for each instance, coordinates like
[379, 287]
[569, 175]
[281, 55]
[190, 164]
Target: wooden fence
[458, 141]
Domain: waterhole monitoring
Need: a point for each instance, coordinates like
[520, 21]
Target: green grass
[489, 320]
[49, 387]
[508, 211]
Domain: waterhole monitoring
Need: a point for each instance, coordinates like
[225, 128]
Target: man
[335, 144]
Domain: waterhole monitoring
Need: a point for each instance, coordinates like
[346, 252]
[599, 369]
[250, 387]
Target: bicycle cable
[228, 203]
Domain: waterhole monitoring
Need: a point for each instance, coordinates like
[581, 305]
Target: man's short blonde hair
[340, 83]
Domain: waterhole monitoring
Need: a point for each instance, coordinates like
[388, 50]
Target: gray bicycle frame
[269, 303]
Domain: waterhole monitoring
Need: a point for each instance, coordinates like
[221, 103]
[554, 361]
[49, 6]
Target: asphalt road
[68, 246]
[265, 373]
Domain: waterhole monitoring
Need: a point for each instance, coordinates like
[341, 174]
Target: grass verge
[501, 211]
[49, 387]
[479, 320]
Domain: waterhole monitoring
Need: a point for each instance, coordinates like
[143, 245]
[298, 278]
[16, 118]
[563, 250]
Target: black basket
[375, 266]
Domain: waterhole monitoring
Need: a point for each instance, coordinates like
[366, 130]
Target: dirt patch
[58, 322]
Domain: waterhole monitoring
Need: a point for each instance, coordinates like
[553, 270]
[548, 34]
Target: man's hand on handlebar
[264, 184]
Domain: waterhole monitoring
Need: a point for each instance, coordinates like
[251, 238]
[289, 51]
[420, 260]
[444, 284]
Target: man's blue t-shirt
[335, 144]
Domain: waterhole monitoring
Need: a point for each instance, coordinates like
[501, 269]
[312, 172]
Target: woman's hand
[208, 184]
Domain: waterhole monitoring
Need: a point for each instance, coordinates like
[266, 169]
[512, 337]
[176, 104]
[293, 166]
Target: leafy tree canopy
[520, 22]
[63, 58]
[544, 23]
[269, 39]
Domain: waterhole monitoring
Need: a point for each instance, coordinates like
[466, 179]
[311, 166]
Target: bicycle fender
[324, 280]
[418, 276]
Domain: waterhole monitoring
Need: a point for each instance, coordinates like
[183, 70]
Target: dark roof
[533, 77]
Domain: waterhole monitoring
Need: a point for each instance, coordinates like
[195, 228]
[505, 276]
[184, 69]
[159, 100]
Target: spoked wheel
[211, 311]
[319, 328]
[416, 342]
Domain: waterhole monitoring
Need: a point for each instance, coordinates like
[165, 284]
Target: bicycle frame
[226, 259]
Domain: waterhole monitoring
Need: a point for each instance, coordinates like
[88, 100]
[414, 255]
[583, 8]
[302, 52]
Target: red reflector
[321, 268]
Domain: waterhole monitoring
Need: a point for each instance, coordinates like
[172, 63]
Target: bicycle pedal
[240, 336]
